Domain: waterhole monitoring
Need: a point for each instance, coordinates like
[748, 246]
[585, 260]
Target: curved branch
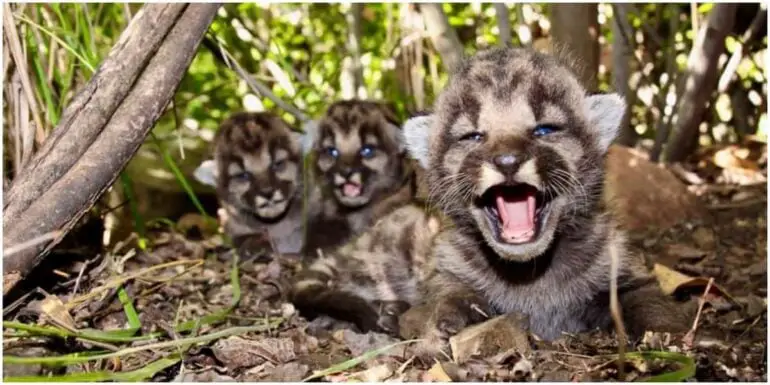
[78, 188]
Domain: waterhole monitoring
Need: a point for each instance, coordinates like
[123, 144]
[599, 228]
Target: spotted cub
[514, 156]
[358, 160]
[258, 174]
[375, 277]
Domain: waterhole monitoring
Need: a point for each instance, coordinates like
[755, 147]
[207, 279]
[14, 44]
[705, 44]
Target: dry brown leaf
[671, 280]
[57, 312]
[438, 373]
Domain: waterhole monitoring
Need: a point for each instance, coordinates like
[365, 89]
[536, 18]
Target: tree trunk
[443, 36]
[575, 27]
[504, 24]
[622, 51]
[352, 74]
[101, 130]
[700, 80]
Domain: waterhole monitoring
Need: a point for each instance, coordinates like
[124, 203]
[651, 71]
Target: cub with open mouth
[514, 157]
[359, 159]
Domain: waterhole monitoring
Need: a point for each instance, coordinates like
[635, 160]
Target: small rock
[752, 305]
[491, 337]
[704, 238]
[207, 375]
[684, 252]
[288, 372]
[236, 352]
[359, 344]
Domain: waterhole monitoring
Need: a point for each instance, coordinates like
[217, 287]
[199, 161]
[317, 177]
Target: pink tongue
[351, 190]
[517, 215]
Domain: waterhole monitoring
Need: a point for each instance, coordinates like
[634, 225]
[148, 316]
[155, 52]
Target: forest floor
[261, 338]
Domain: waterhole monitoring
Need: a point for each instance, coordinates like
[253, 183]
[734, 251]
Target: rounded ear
[309, 136]
[207, 173]
[416, 133]
[605, 114]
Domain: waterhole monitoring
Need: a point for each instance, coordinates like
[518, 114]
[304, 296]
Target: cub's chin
[272, 211]
[518, 221]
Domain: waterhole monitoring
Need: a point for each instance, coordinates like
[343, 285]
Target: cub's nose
[507, 161]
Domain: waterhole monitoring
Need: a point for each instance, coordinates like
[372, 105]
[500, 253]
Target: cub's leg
[254, 246]
[450, 307]
[389, 311]
[645, 307]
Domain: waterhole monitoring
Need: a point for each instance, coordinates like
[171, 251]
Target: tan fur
[491, 110]
[387, 264]
[345, 130]
[259, 181]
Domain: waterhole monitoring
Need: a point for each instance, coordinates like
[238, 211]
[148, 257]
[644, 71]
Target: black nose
[346, 171]
[507, 161]
[266, 192]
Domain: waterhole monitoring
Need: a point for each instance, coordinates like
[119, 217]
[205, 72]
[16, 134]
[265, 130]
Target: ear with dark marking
[605, 114]
[309, 136]
[207, 173]
[416, 133]
[396, 135]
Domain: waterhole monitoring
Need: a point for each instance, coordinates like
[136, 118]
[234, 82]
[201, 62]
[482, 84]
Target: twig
[737, 205]
[156, 346]
[690, 336]
[32, 242]
[21, 64]
[686, 175]
[119, 281]
[257, 86]
[616, 311]
[732, 65]
[100, 344]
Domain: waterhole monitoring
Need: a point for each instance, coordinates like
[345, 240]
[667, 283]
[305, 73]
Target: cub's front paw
[389, 312]
[255, 247]
[448, 317]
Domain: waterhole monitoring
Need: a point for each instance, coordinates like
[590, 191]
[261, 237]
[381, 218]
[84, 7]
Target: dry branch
[128, 110]
[443, 36]
[701, 80]
[85, 117]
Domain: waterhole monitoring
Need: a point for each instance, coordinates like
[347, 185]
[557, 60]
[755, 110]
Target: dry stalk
[616, 312]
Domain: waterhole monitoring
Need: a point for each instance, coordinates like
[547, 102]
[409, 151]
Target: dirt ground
[187, 276]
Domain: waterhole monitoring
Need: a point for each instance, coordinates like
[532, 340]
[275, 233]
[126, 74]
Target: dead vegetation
[186, 308]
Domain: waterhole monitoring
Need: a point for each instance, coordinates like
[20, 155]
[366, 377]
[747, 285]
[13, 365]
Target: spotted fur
[358, 160]
[482, 134]
[374, 278]
[258, 174]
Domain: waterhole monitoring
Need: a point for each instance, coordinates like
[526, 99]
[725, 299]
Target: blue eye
[543, 130]
[277, 165]
[333, 152]
[243, 175]
[473, 136]
[367, 152]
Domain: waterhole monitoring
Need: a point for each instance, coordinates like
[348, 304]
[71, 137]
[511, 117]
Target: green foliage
[296, 51]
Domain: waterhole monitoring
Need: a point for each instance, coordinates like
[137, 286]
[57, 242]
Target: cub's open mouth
[516, 213]
[351, 189]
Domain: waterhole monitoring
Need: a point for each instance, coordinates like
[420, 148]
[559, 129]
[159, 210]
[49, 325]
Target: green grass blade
[138, 375]
[123, 335]
[355, 361]
[687, 371]
[69, 360]
[139, 224]
[128, 307]
[179, 175]
[64, 44]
